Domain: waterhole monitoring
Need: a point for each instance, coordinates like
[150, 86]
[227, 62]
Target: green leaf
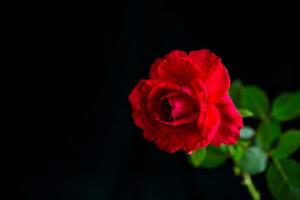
[197, 157]
[247, 133]
[245, 113]
[223, 148]
[289, 143]
[214, 158]
[267, 132]
[237, 151]
[235, 92]
[253, 161]
[283, 179]
[286, 107]
[255, 100]
[244, 144]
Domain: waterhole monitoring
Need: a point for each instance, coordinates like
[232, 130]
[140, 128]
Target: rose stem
[247, 180]
[251, 187]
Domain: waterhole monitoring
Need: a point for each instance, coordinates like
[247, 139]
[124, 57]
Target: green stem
[251, 187]
[247, 180]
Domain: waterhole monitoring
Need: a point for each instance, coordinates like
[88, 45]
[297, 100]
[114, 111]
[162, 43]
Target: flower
[184, 105]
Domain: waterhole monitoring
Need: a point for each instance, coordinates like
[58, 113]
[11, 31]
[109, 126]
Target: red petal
[139, 93]
[168, 143]
[171, 56]
[231, 123]
[175, 54]
[209, 122]
[213, 73]
[174, 67]
[192, 137]
[138, 101]
[154, 68]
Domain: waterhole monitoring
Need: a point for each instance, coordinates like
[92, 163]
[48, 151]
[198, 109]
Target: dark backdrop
[79, 141]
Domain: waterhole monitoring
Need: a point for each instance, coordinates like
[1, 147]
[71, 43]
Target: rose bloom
[185, 103]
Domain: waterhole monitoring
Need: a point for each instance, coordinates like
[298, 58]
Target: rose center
[166, 109]
[175, 107]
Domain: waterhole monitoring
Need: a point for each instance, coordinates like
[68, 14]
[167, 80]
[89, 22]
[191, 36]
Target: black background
[78, 139]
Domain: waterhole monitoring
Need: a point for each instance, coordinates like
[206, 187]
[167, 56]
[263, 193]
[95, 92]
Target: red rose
[185, 103]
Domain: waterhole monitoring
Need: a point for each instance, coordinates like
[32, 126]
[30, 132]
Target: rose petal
[231, 123]
[175, 54]
[168, 143]
[174, 68]
[208, 124]
[154, 68]
[172, 55]
[197, 136]
[212, 72]
[139, 93]
[138, 101]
